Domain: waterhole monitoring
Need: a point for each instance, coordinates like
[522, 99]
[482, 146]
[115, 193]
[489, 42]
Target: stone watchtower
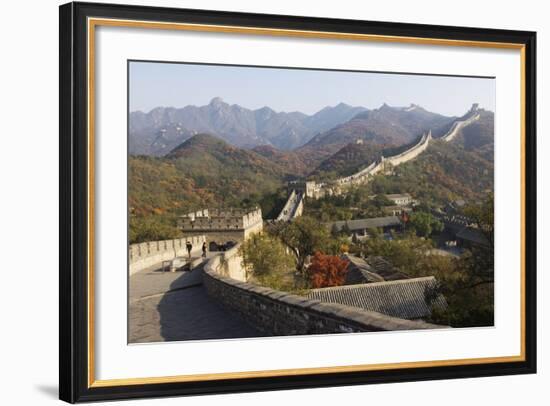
[222, 226]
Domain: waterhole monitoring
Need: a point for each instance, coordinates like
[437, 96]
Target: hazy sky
[177, 85]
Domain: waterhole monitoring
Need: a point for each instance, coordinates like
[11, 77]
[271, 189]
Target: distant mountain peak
[216, 101]
[162, 129]
[412, 107]
[197, 141]
[342, 105]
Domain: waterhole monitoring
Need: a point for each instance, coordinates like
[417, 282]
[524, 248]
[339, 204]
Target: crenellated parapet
[316, 190]
[294, 206]
[221, 226]
[280, 313]
[471, 116]
[145, 254]
[412, 152]
[220, 219]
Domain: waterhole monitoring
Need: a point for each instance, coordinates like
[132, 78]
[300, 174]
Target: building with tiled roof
[362, 225]
[405, 299]
[385, 269]
[360, 272]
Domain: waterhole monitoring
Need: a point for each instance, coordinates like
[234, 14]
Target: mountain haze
[383, 126]
[163, 128]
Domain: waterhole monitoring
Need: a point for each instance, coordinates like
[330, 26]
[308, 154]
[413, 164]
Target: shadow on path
[177, 307]
[190, 314]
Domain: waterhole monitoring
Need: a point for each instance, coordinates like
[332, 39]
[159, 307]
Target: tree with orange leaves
[327, 270]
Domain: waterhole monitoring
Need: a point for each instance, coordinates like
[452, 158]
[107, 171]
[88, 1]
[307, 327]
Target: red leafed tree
[327, 270]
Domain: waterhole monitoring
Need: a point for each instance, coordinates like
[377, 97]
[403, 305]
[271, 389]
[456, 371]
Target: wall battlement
[459, 125]
[279, 313]
[146, 254]
[221, 226]
[220, 219]
[412, 152]
[316, 190]
[294, 206]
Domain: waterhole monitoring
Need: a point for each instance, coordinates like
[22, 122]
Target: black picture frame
[74, 291]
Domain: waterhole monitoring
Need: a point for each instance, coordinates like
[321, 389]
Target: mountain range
[383, 126]
[157, 132]
[174, 169]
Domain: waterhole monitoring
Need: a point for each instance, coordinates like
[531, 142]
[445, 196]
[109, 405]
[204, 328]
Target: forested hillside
[204, 171]
[444, 172]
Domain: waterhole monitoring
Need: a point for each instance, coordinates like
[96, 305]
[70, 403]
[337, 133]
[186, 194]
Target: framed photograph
[257, 202]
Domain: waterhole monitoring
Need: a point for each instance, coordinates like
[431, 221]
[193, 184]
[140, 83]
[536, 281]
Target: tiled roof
[385, 269]
[360, 272]
[404, 299]
[362, 224]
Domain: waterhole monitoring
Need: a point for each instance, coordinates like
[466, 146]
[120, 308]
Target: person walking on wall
[204, 249]
[189, 247]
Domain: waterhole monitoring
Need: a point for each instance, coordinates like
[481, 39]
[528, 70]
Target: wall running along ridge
[316, 190]
[294, 206]
[459, 125]
[146, 254]
[280, 313]
[363, 175]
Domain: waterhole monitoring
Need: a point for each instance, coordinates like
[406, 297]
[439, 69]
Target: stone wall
[357, 177]
[294, 206]
[316, 190]
[459, 125]
[224, 236]
[299, 209]
[412, 152]
[280, 313]
[146, 254]
[220, 219]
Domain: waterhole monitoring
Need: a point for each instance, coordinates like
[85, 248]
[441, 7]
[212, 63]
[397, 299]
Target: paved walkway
[174, 306]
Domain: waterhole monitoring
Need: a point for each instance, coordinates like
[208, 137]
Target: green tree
[303, 237]
[264, 256]
[408, 254]
[374, 232]
[381, 201]
[468, 287]
[483, 216]
[152, 228]
[334, 230]
[425, 224]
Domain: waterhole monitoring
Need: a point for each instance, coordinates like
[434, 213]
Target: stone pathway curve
[174, 306]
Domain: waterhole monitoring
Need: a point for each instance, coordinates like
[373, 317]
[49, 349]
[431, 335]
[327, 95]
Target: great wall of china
[459, 125]
[146, 254]
[223, 279]
[294, 206]
[280, 313]
[315, 190]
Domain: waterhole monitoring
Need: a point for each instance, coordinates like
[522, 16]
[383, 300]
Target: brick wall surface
[280, 313]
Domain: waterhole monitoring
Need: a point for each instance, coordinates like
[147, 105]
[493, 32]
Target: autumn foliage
[327, 270]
